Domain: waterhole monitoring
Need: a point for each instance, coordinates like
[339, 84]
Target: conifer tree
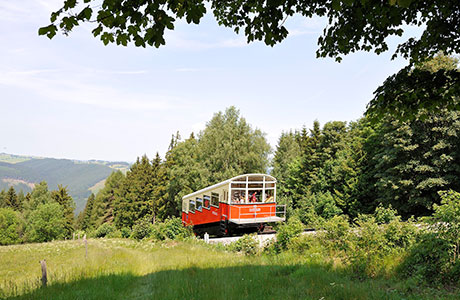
[62, 197]
[85, 218]
[11, 199]
[136, 194]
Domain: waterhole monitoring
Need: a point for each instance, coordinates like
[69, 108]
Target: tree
[136, 194]
[85, 217]
[353, 25]
[39, 195]
[417, 91]
[287, 151]
[62, 197]
[411, 160]
[11, 227]
[228, 146]
[12, 200]
[102, 211]
[46, 223]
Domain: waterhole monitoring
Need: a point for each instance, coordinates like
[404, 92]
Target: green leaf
[96, 31]
[49, 31]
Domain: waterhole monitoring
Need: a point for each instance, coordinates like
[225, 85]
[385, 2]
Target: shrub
[367, 247]
[336, 235]
[11, 227]
[247, 244]
[171, 228]
[384, 215]
[104, 230]
[142, 228]
[46, 223]
[435, 257]
[287, 231]
[125, 232]
[428, 259]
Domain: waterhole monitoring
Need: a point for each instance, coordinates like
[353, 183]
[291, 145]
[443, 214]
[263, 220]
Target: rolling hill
[80, 177]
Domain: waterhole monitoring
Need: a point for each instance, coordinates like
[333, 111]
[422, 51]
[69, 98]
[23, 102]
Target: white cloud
[51, 84]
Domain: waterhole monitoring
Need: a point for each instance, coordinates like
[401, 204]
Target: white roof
[270, 178]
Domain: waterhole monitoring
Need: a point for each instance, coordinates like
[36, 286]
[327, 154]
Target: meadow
[127, 269]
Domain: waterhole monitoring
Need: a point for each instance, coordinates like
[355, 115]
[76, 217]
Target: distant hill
[80, 177]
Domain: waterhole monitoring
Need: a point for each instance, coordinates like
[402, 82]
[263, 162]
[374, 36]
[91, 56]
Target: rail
[275, 211]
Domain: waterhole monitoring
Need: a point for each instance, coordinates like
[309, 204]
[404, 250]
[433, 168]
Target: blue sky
[73, 97]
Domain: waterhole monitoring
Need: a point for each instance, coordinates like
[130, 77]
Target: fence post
[86, 246]
[206, 238]
[44, 275]
[73, 236]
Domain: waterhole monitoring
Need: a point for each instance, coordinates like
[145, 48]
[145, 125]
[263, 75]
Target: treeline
[152, 189]
[352, 168]
[38, 216]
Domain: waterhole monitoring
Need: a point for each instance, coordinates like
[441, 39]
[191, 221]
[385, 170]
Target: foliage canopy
[353, 25]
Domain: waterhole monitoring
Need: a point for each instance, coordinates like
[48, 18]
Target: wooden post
[86, 246]
[73, 236]
[79, 235]
[44, 275]
[206, 238]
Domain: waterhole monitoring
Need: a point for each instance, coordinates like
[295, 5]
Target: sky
[72, 97]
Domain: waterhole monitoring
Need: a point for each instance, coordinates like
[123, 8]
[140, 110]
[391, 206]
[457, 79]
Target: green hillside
[79, 176]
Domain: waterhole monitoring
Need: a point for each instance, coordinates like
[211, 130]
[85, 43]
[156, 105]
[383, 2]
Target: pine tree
[136, 194]
[62, 197]
[11, 199]
[85, 218]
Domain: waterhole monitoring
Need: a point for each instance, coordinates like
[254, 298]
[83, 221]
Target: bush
[435, 257]
[248, 244]
[46, 223]
[287, 231]
[384, 215]
[171, 228]
[142, 228]
[125, 232]
[428, 260]
[11, 227]
[336, 235]
[104, 230]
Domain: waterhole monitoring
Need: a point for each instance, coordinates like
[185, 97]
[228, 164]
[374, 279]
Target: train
[244, 203]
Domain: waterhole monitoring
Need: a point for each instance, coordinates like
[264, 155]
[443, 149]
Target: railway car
[242, 203]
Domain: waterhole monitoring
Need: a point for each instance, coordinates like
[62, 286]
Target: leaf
[49, 31]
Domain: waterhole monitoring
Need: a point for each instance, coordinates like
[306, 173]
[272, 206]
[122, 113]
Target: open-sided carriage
[245, 202]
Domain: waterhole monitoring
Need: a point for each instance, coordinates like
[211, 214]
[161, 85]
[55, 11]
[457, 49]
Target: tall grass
[125, 269]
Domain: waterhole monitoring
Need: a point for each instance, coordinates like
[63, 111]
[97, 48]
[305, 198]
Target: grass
[125, 269]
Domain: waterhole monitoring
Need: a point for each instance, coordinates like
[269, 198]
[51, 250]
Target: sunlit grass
[125, 269]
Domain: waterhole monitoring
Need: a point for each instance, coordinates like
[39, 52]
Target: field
[125, 269]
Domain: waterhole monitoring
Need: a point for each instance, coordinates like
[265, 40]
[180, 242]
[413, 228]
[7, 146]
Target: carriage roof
[251, 177]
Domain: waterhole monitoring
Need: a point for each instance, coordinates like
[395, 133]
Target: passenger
[269, 198]
[254, 198]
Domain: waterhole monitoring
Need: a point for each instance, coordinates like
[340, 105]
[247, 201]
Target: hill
[80, 177]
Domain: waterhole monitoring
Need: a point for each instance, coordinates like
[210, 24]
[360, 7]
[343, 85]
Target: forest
[380, 169]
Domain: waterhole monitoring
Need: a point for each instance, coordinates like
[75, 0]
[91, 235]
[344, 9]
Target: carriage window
[199, 204]
[238, 196]
[255, 185]
[255, 196]
[269, 196]
[215, 199]
[269, 184]
[207, 201]
[238, 185]
[192, 206]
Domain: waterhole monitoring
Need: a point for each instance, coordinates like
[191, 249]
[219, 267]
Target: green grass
[125, 269]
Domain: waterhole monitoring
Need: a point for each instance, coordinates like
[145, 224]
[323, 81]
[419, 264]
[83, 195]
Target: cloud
[52, 85]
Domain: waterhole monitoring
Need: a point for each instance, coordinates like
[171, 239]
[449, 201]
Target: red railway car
[242, 203]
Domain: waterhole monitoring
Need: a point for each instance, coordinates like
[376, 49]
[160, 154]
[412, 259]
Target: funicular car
[240, 204]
